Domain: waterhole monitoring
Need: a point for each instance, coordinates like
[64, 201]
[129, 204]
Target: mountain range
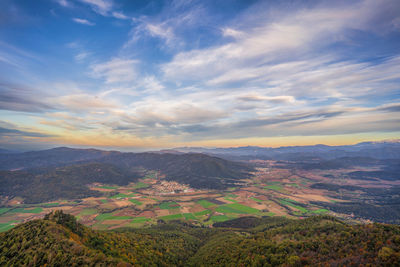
[380, 150]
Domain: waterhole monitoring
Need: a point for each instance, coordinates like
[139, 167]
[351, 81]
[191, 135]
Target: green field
[172, 217]
[104, 201]
[22, 210]
[189, 216]
[110, 216]
[205, 203]
[291, 200]
[169, 205]
[6, 226]
[288, 203]
[140, 185]
[236, 208]
[4, 210]
[140, 220]
[320, 211]
[50, 204]
[136, 202]
[274, 187]
[201, 213]
[108, 187]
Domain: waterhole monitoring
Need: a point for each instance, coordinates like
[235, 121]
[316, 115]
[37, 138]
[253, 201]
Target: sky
[137, 75]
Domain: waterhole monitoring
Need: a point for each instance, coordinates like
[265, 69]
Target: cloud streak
[116, 70]
[20, 98]
[83, 21]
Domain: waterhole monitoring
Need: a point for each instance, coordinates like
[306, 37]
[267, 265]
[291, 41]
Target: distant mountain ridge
[50, 157]
[380, 150]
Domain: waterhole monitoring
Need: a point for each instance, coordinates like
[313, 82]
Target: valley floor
[274, 191]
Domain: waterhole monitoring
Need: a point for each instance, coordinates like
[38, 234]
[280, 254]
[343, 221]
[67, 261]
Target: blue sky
[153, 74]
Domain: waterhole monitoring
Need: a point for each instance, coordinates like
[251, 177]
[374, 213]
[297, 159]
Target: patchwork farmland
[271, 192]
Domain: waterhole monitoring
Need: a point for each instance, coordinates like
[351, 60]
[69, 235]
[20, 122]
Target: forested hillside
[59, 240]
[69, 182]
[197, 170]
[43, 176]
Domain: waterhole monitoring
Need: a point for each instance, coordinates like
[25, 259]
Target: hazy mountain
[378, 150]
[6, 151]
[51, 157]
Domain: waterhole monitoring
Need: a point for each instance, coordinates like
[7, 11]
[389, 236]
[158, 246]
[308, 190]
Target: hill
[197, 170]
[69, 182]
[44, 176]
[59, 240]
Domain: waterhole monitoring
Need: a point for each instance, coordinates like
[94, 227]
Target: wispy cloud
[280, 38]
[82, 102]
[176, 18]
[81, 56]
[64, 3]
[119, 15]
[100, 6]
[83, 21]
[116, 70]
[10, 130]
[21, 98]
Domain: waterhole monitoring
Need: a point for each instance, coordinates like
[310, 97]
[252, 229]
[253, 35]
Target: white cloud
[64, 3]
[281, 54]
[116, 70]
[229, 32]
[83, 21]
[82, 101]
[162, 31]
[277, 38]
[119, 15]
[172, 21]
[102, 7]
[155, 30]
[253, 97]
[81, 56]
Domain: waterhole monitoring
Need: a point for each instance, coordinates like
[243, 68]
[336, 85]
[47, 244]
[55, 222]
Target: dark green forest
[59, 240]
[69, 182]
[41, 184]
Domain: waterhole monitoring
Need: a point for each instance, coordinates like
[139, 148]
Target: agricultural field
[271, 192]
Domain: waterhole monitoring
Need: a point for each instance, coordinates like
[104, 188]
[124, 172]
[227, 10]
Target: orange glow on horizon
[129, 141]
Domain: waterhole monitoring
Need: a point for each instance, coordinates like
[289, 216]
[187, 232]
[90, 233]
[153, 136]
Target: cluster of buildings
[171, 187]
